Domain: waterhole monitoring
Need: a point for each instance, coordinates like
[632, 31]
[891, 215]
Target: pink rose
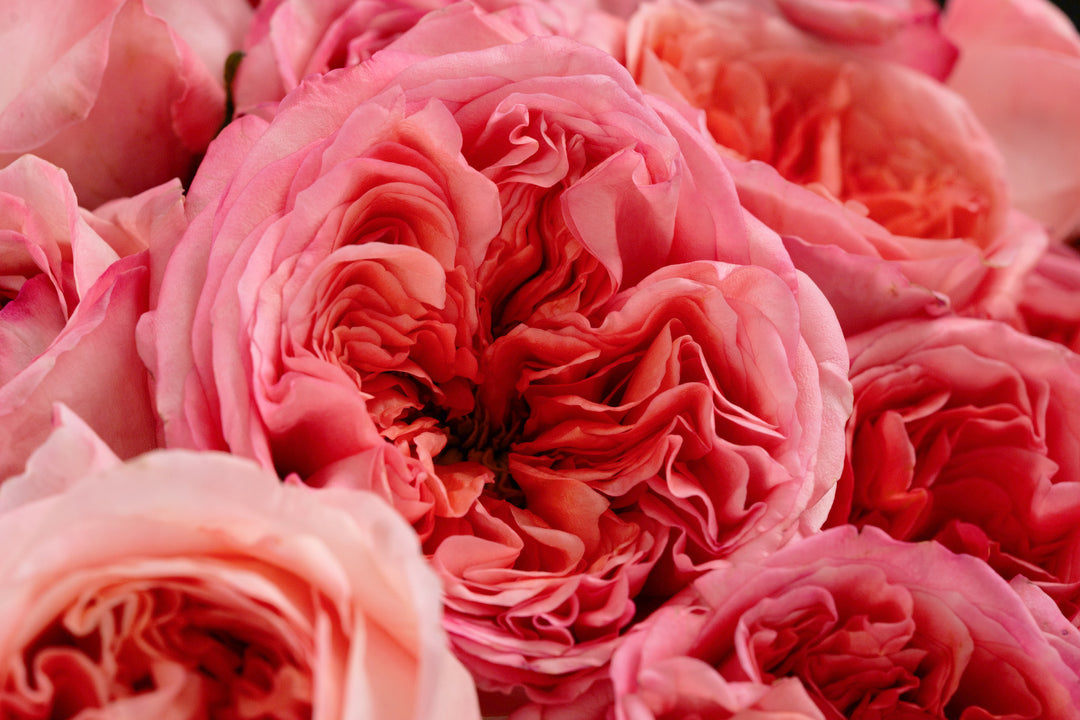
[184, 585]
[965, 431]
[1019, 69]
[379, 282]
[292, 39]
[892, 202]
[125, 95]
[1050, 303]
[866, 626]
[72, 284]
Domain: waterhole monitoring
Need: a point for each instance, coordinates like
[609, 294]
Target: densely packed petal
[965, 431]
[402, 282]
[864, 625]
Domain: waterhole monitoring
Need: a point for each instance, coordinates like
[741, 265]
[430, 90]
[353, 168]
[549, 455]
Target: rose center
[477, 438]
[170, 636]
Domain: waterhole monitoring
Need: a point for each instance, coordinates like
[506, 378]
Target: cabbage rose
[525, 306]
[864, 625]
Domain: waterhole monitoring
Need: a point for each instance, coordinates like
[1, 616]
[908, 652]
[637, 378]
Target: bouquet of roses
[542, 359]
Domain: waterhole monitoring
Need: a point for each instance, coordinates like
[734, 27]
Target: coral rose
[965, 431]
[72, 284]
[866, 626]
[401, 281]
[124, 96]
[910, 202]
[689, 417]
[196, 585]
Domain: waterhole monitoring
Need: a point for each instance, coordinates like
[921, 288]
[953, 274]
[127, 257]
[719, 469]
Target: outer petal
[911, 203]
[1049, 306]
[1019, 69]
[82, 116]
[92, 367]
[902, 31]
[36, 107]
[56, 259]
[70, 452]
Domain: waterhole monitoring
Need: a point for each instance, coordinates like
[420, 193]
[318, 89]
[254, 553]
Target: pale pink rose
[292, 39]
[1050, 303]
[866, 626]
[379, 281]
[197, 585]
[72, 285]
[122, 94]
[965, 431]
[910, 203]
[1019, 69]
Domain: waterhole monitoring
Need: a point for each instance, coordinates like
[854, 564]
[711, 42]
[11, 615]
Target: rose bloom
[122, 94]
[196, 585]
[291, 39]
[965, 431]
[866, 626]
[72, 284]
[520, 301]
[874, 200]
[1019, 70]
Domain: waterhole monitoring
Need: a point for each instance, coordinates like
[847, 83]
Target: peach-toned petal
[197, 585]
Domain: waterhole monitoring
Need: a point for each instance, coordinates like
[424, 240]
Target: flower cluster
[613, 360]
